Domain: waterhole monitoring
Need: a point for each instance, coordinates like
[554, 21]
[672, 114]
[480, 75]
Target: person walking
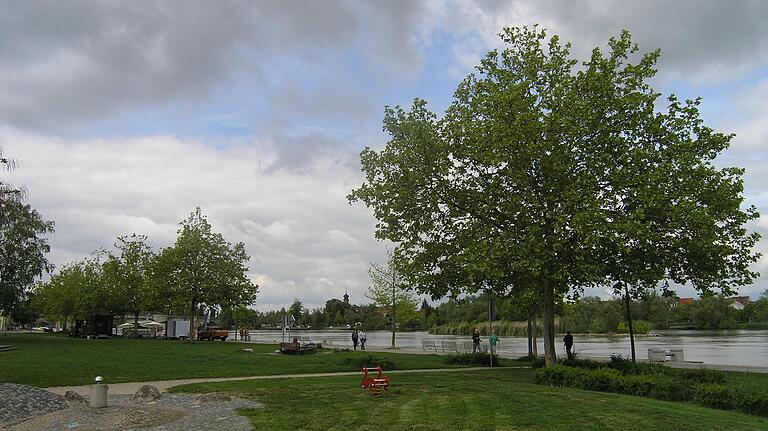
[355, 336]
[568, 343]
[476, 341]
[492, 340]
[362, 340]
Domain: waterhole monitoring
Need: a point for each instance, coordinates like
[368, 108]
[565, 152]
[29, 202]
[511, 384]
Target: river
[736, 347]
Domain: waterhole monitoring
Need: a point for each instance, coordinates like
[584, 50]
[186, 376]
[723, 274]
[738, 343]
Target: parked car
[213, 333]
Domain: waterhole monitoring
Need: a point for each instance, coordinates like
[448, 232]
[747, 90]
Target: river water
[736, 347]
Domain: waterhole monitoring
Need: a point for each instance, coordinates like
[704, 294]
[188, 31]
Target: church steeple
[346, 297]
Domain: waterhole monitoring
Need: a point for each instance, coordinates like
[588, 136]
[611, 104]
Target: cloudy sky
[124, 116]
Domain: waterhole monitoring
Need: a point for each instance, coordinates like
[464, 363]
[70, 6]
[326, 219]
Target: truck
[213, 333]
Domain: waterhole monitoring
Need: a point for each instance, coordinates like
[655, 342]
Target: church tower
[346, 297]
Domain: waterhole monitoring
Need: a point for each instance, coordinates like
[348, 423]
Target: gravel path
[18, 402]
[172, 412]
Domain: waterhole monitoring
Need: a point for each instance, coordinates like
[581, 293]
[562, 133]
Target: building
[739, 302]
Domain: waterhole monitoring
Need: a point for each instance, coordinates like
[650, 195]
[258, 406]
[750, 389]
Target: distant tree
[76, 290]
[296, 310]
[25, 313]
[127, 276]
[713, 312]
[203, 270]
[388, 289]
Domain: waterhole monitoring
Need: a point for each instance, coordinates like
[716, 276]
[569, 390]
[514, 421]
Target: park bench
[375, 385]
[449, 346]
[425, 345]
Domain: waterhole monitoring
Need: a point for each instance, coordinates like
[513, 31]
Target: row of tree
[546, 176]
[200, 273]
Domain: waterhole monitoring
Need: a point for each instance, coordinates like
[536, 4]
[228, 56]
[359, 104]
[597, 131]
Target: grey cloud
[705, 39]
[65, 63]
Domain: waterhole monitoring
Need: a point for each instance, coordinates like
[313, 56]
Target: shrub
[732, 398]
[479, 359]
[607, 379]
[368, 361]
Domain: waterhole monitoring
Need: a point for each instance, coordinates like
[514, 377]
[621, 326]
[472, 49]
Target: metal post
[394, 304]
[490, 327]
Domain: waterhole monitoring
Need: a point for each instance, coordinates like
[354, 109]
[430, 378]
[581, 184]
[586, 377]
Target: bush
[368, 361]
[655, 381]
[479, 359]
[732, 398]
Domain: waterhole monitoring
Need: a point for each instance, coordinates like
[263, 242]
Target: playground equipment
[375, 385]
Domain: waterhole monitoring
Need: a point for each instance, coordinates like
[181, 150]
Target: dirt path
[131, 387]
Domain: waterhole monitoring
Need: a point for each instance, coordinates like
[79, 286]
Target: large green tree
[561, 176]
[202, 269]
[23, 242]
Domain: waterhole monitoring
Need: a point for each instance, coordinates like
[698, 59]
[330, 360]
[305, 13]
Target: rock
[147, 393]
[213, 397]
[74, 398]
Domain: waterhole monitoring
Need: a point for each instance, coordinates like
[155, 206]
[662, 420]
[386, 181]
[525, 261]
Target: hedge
[665, 384]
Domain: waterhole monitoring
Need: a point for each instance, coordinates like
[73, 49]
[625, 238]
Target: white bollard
[98, 394]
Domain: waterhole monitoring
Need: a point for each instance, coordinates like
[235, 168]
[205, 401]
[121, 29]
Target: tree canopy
[203, 269]
[548, 176]
[23, 242]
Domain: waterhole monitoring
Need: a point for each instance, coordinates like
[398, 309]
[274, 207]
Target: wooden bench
[425, 345]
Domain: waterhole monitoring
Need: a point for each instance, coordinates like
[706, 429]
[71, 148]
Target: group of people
[493, 339]
[245, 335]
[358, 336]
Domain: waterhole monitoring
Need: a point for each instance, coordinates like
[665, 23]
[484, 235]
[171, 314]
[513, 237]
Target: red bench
[375, 385]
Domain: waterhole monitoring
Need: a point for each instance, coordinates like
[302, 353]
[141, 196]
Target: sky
[125, 116]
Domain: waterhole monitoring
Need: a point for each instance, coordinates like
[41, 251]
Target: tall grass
[502, 327]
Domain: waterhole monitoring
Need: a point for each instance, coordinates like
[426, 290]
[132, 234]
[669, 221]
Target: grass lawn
[50, 360]
[476, 400]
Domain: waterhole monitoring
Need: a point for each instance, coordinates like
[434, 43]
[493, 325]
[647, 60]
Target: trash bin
[677, 355]
[99, 394]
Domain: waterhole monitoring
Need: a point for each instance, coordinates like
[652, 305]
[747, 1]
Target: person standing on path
[568, 343]
[492, 340]
[354, 339]
[476, 341]
[362, 340]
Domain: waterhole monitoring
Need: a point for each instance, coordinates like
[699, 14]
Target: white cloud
[305, 240]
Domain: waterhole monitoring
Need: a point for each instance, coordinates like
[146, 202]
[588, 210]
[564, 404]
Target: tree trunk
[629, 322]
[530, 337]
[550, 355]
[136, 323]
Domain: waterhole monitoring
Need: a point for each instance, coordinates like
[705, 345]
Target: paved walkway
[131, 387]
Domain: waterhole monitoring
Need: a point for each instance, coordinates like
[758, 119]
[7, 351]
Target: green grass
[502, 399]
[50, 360]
